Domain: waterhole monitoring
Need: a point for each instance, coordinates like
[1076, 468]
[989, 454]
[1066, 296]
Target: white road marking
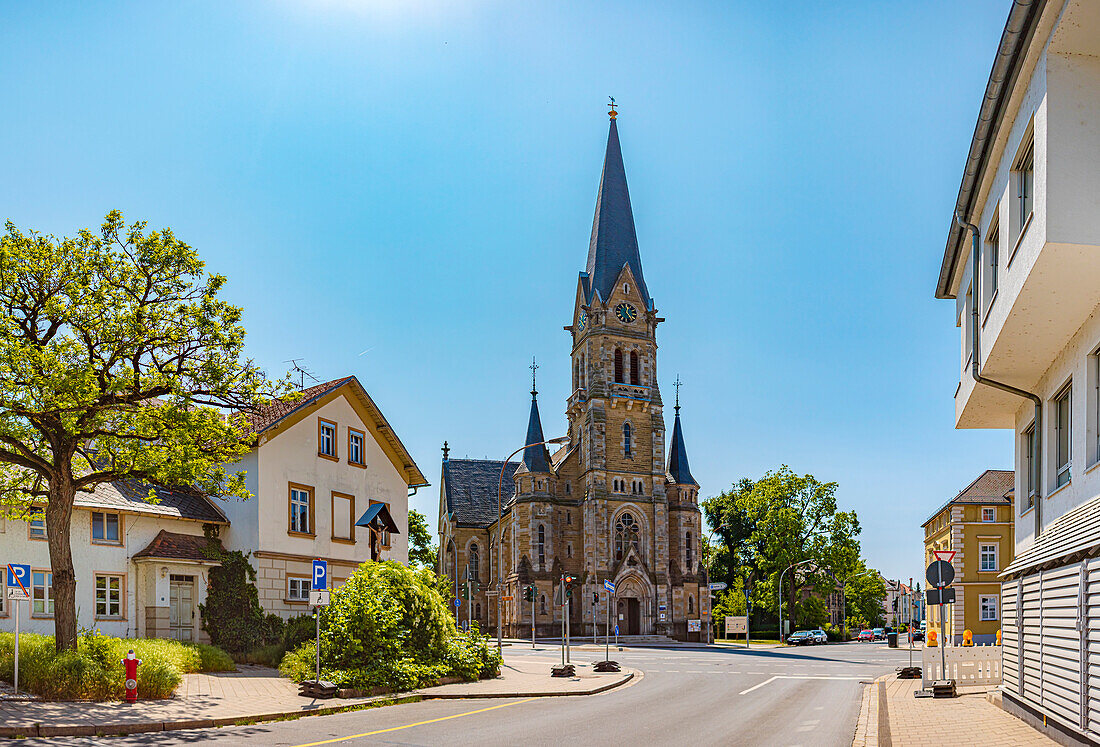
[755, 687]
[796, 677]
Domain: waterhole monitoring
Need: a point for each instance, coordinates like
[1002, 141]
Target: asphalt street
[698, 696]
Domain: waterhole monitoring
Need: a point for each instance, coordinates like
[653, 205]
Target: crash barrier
[967, 665]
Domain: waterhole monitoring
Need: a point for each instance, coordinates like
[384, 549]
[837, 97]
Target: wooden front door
[629, 616]
[181, 608]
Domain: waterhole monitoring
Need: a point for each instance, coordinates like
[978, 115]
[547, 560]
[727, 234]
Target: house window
[1062, 435]
[989, 513]
[691, 605]
[355, 447]
[326, 438]
[108, 596]
[687, 552]
[1025, 181]
[105, 528]
[635, 369]
[618, 366]
[987, 558]
[42, 593]
[36, 527]
[626, 535]
[987, 606]
[297, 589]
[626, 440]
[473, 562]
[343, 517]
[992, 250]
[1030, 478]
[301, 509]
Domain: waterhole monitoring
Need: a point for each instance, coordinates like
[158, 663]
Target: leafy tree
[864, 592]
[727, 516]
[118, 360]
[421, 549]
[812, 613]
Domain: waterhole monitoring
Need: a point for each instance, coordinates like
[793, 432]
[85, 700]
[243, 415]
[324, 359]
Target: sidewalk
[890, 715]
[260, 694]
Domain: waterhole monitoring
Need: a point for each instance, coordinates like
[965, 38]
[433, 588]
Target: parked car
[880, 634]
[820, 636]
[866, 635]
[801, 638]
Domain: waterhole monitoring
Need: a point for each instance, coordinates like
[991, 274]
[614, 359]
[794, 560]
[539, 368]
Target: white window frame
[1063, 463]
[995, 599]
[355, 447]
[46, 597]
[982, 556]
[989, 511]
[107, 601]
[301, 594]
[326, 439]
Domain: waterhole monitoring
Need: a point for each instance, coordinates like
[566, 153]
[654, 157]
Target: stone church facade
[605, 505]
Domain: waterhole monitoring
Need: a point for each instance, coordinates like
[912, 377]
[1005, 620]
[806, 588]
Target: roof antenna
[302, 373]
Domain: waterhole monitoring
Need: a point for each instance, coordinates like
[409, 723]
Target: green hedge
[94, 671]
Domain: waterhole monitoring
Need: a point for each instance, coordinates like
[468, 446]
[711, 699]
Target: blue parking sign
[320, 575]
[19, 576]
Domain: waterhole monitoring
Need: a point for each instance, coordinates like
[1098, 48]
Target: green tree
[118, 361]
[864, 592]
[727, 517]
[422, 550]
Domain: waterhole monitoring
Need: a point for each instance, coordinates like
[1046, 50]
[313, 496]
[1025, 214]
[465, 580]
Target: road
[696, 696]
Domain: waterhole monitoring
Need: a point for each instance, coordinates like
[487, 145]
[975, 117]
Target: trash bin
[892, 639]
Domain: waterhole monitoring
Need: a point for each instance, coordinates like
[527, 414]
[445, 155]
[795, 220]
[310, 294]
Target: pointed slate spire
[535, 458]
[677, 452]
[614, 242]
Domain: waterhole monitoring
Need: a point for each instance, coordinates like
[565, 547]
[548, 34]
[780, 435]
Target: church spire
[614, 242]
[535, 458]
[677, 453]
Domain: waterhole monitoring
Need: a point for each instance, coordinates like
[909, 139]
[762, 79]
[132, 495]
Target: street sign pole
[534, 593]
[607, 633]
[469, 607]
[562, 608]
[568, 602]
[748, 617]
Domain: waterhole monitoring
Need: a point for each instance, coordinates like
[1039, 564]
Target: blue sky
[403, 190]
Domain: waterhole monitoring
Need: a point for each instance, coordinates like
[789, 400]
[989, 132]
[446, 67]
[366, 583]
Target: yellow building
[978, 525]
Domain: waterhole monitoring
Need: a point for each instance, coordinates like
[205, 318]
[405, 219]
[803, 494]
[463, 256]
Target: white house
[1027, 305]
[142, 568]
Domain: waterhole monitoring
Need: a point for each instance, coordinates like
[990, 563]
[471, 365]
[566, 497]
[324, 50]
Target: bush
[94, 670]
[298, 630]
[232, 615]
[388, 626]
[214, 659]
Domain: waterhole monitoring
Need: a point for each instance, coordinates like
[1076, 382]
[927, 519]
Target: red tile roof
[992, 487]
[174, 546]
[265, 417]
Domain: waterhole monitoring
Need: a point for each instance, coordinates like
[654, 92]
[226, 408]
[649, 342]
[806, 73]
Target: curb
[92, 730]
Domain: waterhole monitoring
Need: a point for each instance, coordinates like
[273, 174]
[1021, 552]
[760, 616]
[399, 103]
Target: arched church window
[691, 605]
[569, 550]
[568, 488]
[619, 366]
[627, 433]
[568, 517]
[626, 535]
[542, 605]
[474, 562]
[635, 373]
[576, 374]
[542, 547]
[626, 287]
[687, 552]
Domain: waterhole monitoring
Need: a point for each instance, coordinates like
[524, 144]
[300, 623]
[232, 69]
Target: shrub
[94, 670]
[232, 615]
[214, 659]
[389, 626]
[298, 630]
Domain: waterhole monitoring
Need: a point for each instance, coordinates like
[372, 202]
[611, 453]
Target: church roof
[678, 456]
[470, 487]
[535, 458]
[614, 242]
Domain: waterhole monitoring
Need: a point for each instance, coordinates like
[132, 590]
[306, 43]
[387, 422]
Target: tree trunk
[59, 514]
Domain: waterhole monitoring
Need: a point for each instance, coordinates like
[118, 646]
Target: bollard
[131, 662]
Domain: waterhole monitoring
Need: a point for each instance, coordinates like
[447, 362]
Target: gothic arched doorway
[629, 616]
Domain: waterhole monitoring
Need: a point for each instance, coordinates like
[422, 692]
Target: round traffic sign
[940, 573]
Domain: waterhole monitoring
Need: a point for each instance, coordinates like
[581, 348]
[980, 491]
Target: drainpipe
[975, 371]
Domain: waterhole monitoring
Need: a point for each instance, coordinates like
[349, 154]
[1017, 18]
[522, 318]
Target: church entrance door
[630, 616]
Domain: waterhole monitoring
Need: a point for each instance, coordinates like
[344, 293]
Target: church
[606, 504]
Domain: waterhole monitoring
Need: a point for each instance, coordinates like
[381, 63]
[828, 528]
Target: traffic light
[570, 582]
[595, 598]
[529, 593]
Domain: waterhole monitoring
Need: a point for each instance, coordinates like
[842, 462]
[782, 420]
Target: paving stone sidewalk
[890, 715]
[260, 694]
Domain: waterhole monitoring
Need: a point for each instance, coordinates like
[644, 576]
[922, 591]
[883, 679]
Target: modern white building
[142, 568]
[1022, 263]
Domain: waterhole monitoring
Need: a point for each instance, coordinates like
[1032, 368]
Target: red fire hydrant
[131, 663]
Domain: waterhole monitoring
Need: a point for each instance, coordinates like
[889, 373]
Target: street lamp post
[500, 528]
[790, 567]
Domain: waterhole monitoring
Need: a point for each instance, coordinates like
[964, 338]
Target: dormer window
[626, 287]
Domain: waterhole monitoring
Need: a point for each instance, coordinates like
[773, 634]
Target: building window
[1096, 404]
[992, 250]
[542, 548]
[968, 331]
[635, 369]
[343, 517]
[301, 509]
[36, 526]
[618, 366]
[987, 606]
[473, 562]
[569, 517]
[989, 513]
[42, 593]
[108, 596]
[568, 489]
[691, 605]
[1025, 181]
[627, 446]
[355, 448]
[626, 535]
[542, 604]
[477, 610]
[1062, 435]
[569, 549]
[1030, 479]
[687, 552]
[987, 558]
[297, 589]
[326, 438]
[105, 528]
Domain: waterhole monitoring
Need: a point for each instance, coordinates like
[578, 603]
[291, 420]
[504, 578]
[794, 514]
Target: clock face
[626, 313]
[583, 321]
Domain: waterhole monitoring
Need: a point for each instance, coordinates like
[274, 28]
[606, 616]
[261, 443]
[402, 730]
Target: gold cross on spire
[611, 106]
